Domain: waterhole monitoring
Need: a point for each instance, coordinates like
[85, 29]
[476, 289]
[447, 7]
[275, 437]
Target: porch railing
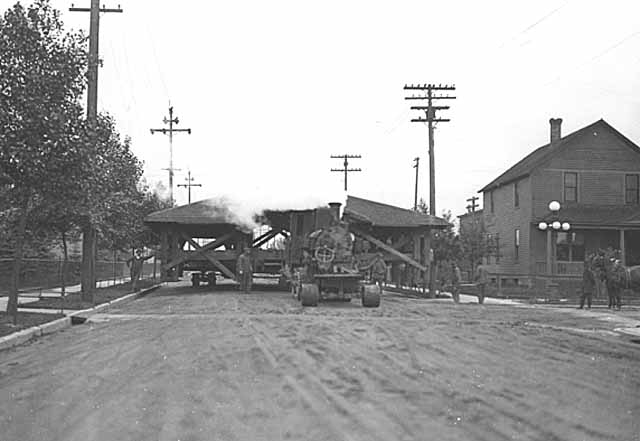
[561, 268]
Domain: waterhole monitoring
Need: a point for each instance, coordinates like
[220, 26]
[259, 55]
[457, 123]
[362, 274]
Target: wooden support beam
[387, 248]
[201, 250]
[265, 238]
[198, 249]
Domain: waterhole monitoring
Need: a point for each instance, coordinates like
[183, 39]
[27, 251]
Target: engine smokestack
[335, 209]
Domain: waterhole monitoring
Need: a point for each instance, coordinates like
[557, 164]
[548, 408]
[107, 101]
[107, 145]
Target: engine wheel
[371, 296]
[309, 294]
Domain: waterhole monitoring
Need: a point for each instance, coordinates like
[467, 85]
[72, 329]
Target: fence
[41, 274]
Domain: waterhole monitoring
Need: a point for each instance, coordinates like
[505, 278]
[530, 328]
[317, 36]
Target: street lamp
[556, 224]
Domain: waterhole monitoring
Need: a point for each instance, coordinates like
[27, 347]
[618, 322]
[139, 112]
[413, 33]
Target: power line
[345, 168]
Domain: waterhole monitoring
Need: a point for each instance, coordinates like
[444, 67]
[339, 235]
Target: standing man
[378, 270]
[456, 277]
[245, 271]
[482, 278]
[135, 268]
[588, 284]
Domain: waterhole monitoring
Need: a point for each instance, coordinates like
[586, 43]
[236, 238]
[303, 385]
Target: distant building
[594, 173]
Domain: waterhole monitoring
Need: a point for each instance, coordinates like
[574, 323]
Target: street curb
[20, 337]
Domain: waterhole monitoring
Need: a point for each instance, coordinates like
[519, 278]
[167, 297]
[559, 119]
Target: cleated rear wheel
[371, 296]
[309, 294]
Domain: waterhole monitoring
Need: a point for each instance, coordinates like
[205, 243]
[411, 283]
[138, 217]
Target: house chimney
[556, 124]
[335, 210]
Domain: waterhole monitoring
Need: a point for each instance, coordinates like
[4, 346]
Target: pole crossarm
[427, 107]
[432, 120]
[430, 87]
[387, 248]
[433, 97]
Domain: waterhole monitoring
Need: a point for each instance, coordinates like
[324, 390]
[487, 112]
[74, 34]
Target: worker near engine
[378, 269]
[244, 268]
[588, 283]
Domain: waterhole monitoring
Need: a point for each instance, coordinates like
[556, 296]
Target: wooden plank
[387, 248]
[265, 238]
[198, 249]
[226, 271]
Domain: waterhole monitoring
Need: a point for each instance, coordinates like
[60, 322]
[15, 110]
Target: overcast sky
[271, 89]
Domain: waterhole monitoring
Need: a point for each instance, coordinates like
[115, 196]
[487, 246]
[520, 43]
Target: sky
[272, 89]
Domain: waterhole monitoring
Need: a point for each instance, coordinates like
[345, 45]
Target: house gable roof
[540, 155]
[378, 214]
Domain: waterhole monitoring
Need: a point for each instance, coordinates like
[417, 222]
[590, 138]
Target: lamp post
[555, 224]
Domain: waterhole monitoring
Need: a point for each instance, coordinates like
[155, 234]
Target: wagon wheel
[324, 254]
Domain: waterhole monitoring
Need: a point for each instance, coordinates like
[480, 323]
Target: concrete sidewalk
[33, 295]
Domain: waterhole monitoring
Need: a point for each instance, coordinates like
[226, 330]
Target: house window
[631, 186]
[570, 247]
[516, 242]
[571, 187]
[516, 195]
[491, 201]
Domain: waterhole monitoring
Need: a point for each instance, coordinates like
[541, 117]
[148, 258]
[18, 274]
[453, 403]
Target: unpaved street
[185, 364]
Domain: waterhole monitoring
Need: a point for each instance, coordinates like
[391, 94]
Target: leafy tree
[475, 242]
[42, 76]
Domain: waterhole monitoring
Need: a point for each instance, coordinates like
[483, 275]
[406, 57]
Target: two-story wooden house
[594, 173]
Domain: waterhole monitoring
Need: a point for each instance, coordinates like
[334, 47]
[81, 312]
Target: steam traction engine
[328, 269]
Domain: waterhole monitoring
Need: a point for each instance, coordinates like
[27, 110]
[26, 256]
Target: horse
[618, 277]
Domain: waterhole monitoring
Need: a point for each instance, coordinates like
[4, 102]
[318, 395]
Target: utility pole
[189, 184]
[346, 168]
[171, 121]
[472, 206]
[430, 118]
[415, 197]
[89, 236]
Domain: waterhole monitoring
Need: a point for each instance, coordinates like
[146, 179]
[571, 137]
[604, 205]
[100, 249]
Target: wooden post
[623, 252]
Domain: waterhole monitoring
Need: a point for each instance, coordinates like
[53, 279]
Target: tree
[475, 242]
[42, 76]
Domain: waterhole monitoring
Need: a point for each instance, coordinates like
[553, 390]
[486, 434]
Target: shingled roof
[526, 165]
[378, 214]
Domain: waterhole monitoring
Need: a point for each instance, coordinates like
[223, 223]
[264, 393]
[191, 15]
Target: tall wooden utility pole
[430, 118]
[415, 197]
[89, 236]
[171, 121]
[346, 168]
[189, 184]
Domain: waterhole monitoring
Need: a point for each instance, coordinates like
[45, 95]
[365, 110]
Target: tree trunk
[87, 276]
[12, 304]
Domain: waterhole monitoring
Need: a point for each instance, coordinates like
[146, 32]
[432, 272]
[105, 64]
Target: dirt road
[182, 364]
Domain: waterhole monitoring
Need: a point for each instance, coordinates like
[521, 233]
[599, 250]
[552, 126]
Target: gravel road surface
[192, 364]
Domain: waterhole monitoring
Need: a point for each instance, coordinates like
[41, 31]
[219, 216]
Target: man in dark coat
[588, 284]
[244, 268]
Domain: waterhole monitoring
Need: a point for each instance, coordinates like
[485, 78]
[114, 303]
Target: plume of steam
[243, 210]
